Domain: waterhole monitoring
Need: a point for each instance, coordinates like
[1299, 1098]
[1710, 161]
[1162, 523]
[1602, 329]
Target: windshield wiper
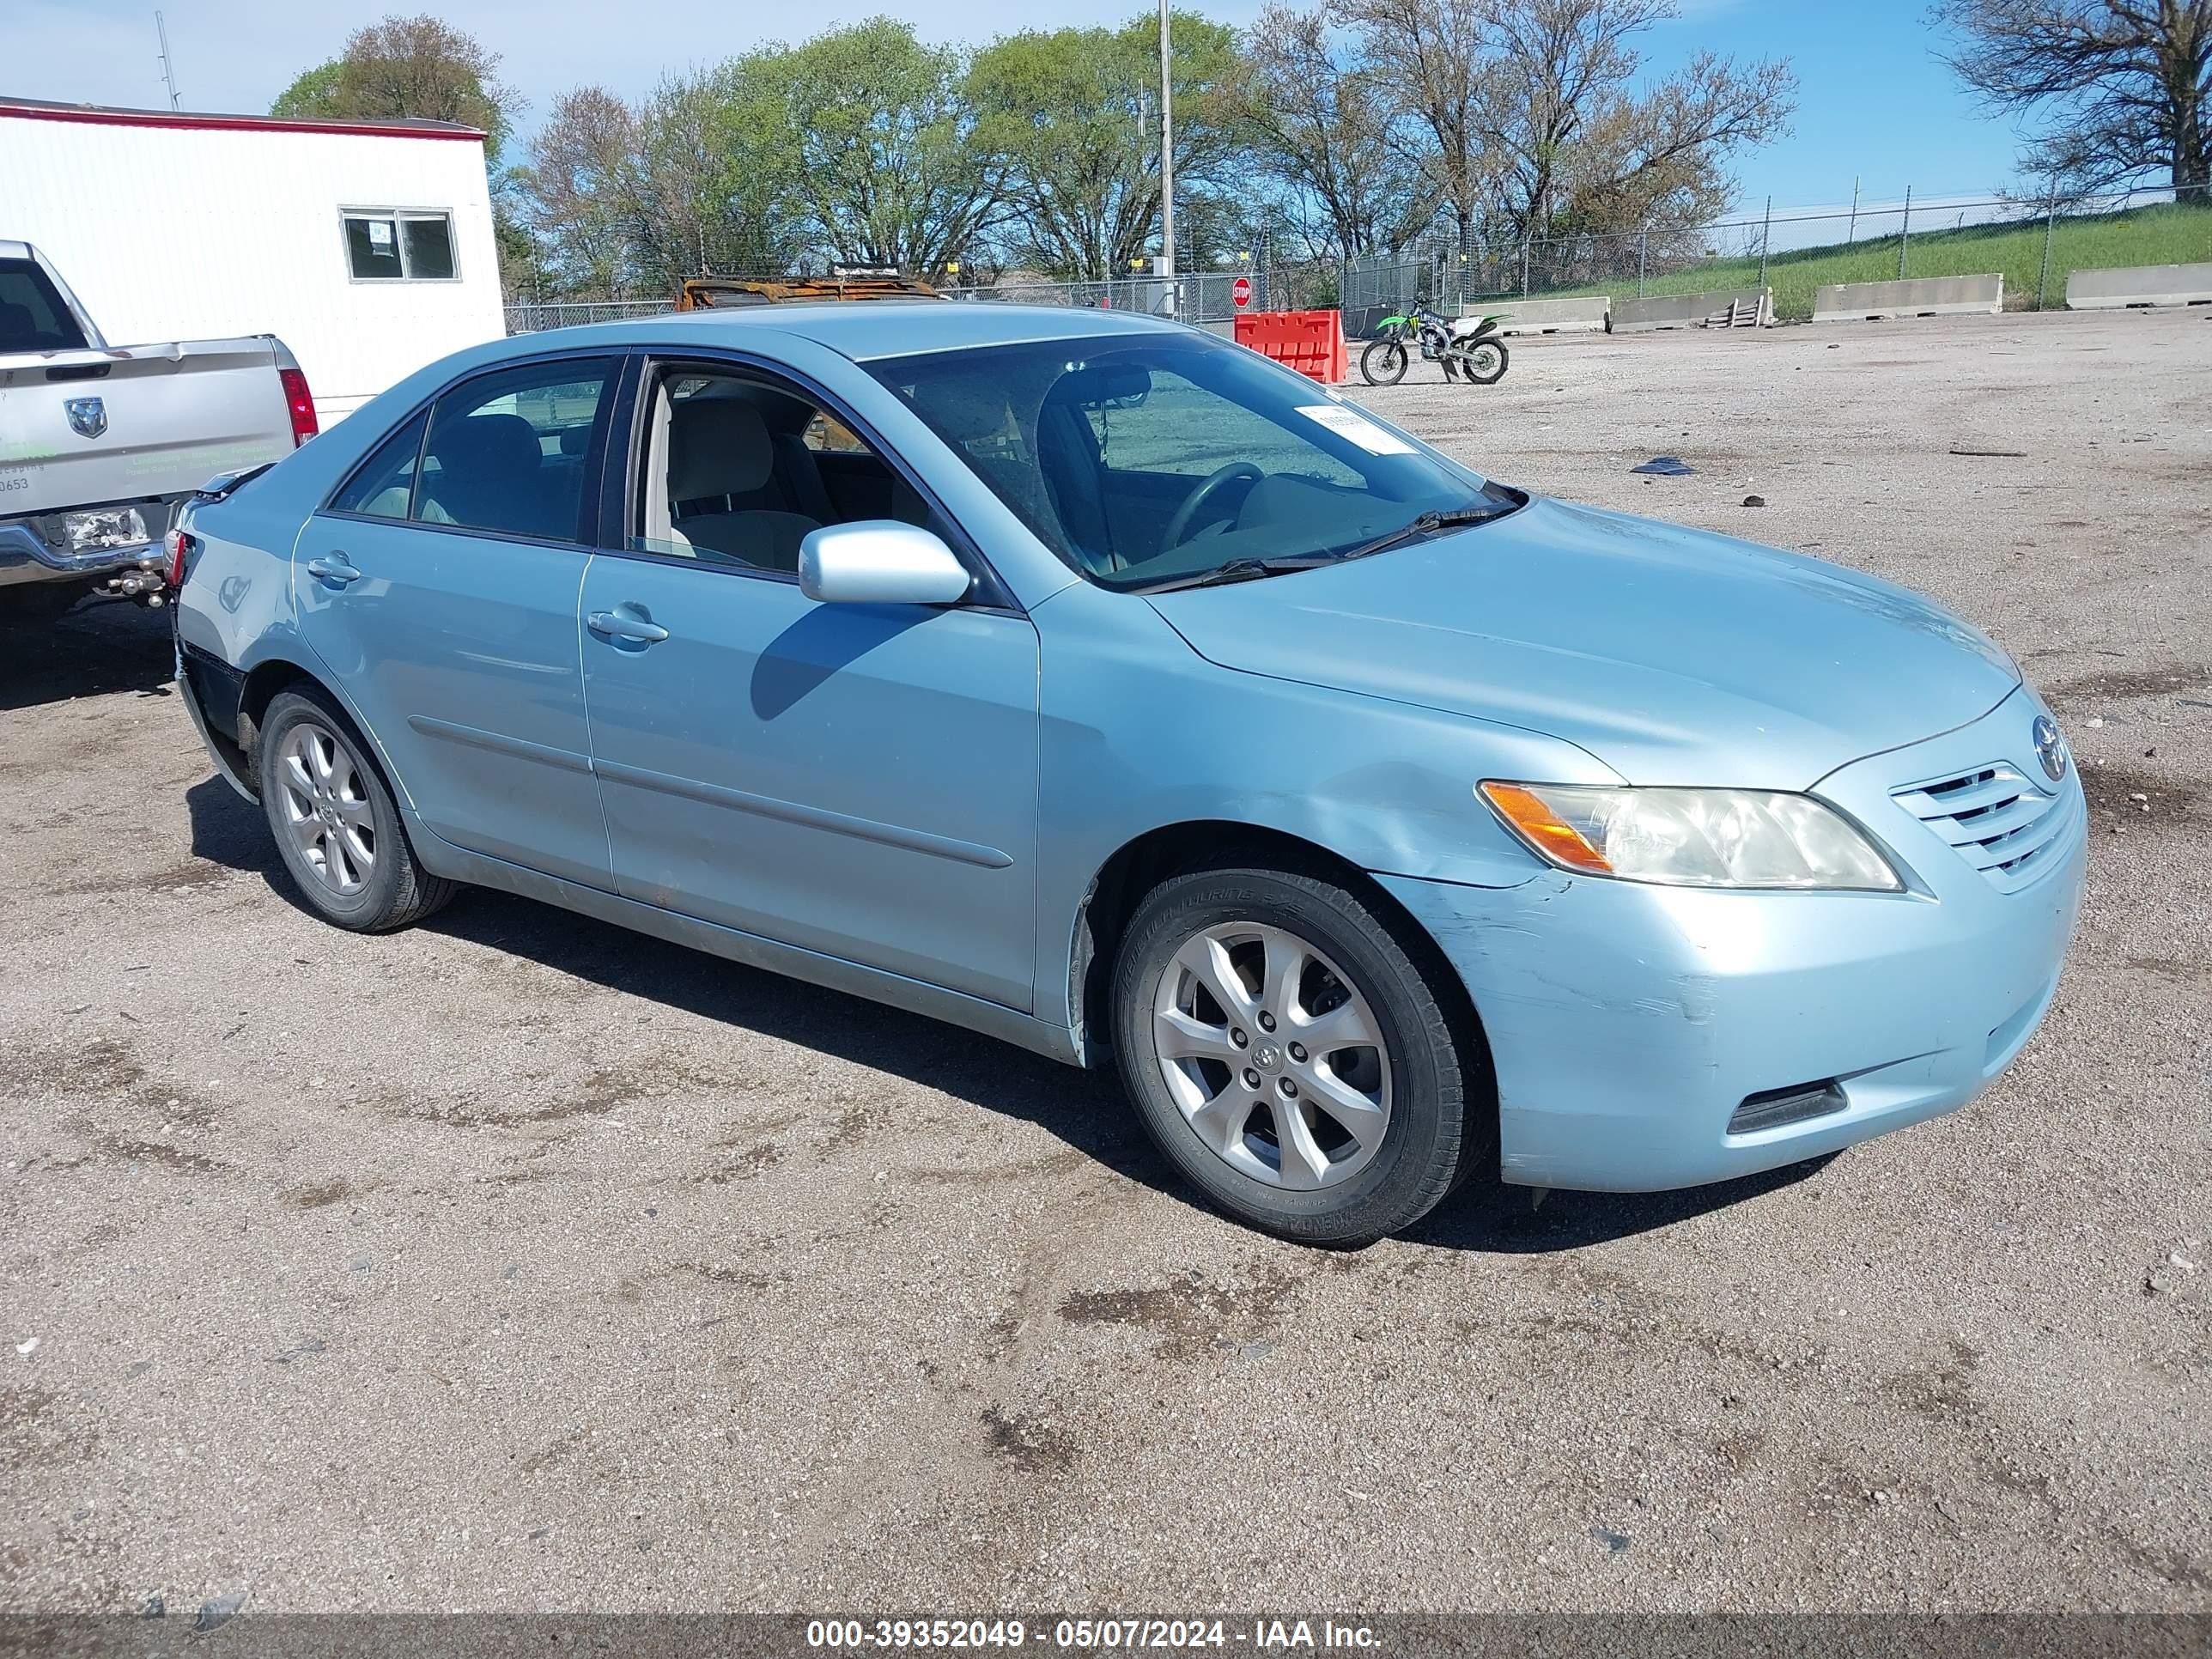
[1251, 569]
[1239, 570]
[1427, 525]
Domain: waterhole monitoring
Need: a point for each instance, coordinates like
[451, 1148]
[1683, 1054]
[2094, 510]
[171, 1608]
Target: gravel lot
[516, 1261]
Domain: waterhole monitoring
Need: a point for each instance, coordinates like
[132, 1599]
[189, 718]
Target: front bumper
[1628, 1022]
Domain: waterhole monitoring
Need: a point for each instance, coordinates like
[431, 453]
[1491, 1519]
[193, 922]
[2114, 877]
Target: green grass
[2160, 235]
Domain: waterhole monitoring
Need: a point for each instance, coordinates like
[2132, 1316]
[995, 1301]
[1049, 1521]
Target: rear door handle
[334, 569]
[620, 625]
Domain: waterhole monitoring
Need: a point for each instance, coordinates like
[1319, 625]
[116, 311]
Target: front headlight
[1693, 837]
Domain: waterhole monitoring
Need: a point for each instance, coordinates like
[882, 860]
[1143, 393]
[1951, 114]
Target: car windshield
[1164, 460]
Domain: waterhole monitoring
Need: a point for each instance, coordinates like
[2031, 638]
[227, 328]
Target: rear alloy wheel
[334, 820]
[1289, 1056]
[1485, 363]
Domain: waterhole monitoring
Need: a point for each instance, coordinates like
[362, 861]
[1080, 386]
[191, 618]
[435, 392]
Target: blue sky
[1873, 100]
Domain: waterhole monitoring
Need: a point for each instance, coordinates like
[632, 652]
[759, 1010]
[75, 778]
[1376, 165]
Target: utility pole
[1765, 236]
[1904, 234]
[1167, 165]
[1853, 235]
[169, 68]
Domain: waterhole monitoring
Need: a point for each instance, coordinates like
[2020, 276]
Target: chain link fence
[535, 316]
[2033, 244]
[1208, 299]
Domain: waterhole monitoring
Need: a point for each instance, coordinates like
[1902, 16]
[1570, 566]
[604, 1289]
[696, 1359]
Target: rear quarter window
[31, 315]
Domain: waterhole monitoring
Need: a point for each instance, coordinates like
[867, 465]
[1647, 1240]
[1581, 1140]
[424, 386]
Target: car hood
[1673, 655]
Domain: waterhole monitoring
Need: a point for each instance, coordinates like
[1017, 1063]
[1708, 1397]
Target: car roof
[899, 329]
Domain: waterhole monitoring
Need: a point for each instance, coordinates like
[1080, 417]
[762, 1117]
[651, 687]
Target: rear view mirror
[879, 561]
[1104, 385]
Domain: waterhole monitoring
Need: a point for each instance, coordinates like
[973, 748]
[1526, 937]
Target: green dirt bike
[1467, 346]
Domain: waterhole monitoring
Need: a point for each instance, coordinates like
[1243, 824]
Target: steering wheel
[1208, 487]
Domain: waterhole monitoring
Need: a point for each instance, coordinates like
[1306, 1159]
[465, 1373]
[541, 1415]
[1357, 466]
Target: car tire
[1354, 1175]
[334, 820]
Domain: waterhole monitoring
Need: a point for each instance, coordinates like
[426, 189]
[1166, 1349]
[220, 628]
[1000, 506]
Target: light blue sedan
[1102, 687]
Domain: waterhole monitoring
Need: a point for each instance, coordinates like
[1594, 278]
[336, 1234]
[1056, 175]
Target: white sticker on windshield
[379, 234]
[1348, 423]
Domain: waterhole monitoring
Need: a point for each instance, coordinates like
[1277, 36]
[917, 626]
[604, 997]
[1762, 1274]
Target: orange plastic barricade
[1312, 341]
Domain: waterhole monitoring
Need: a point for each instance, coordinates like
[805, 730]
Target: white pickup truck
[100, 444]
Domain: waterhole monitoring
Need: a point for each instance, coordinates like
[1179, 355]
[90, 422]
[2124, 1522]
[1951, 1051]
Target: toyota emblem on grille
[2049, 747]
[88, 417]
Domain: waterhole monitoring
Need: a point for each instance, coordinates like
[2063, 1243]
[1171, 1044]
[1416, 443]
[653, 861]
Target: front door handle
[333, 567]
[620, 625]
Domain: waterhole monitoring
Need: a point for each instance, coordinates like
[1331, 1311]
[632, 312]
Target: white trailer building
[366, 247]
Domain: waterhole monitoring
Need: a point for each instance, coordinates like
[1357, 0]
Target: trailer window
[31, 315]
[386, 246]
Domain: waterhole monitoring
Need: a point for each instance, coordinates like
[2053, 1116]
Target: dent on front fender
[1140, 734]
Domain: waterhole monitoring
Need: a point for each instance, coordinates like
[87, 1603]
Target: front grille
[2001, 822]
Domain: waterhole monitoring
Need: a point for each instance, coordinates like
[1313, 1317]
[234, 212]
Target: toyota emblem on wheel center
[2049, 747]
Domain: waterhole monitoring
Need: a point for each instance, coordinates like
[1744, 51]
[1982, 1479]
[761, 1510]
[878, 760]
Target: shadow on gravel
[1491, 1217]
[1085, 1110]
[99, 647]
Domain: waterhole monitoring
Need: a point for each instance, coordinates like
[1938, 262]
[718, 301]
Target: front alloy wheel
[1278, 1065]
[1280, 1035]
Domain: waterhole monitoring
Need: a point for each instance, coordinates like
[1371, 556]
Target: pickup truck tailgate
[168, 418]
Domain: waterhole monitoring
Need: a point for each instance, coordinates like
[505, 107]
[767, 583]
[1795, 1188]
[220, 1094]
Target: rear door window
[31, 315]
[507, 451]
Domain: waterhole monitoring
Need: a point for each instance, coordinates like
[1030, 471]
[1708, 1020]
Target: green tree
[314, 93]
[1075, 112]
[416, 68]
[873, 138]
[633, 199]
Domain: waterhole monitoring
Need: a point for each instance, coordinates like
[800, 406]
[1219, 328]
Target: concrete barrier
[1591, 315]
[2139, 285]
[1749, 307]
[1918, 296]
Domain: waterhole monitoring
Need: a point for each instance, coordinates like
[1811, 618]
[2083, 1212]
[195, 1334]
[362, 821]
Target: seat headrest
[717, 446]
[492, 445]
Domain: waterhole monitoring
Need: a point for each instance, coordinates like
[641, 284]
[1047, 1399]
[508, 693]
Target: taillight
[182, 548]
[301, 404]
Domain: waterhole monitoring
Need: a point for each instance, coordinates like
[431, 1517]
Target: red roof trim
[134, 118]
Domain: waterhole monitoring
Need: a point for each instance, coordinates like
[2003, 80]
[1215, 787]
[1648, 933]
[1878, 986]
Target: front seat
[719, 449]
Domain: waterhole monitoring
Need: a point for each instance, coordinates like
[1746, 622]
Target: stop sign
[1241, 292]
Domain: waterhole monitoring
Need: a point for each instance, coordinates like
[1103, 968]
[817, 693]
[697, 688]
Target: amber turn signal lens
[1542, 829]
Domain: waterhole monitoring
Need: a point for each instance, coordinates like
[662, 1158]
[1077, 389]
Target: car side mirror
[880, 561]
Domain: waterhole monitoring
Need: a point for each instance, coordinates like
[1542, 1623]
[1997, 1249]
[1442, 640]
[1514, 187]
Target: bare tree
[1428, 57]
[1583, 150]
[2118, 88]
[1318, 123]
